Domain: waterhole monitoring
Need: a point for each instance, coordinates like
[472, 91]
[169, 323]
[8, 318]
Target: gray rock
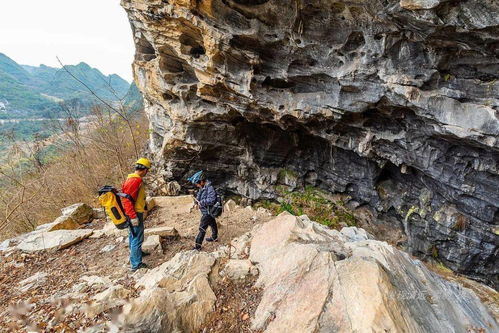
[110, 298]
[152, 243]
[230, 206]
[4, 245]
[354, 234]
[93, 280]
[61, 223]
[98, 213]
[161, 232]
[108, 248]
[391, 102]
[238, 270]
[310, 285]
[54, 240]
[171, 189]
[176, 297]
[35, 280]
[81, 213]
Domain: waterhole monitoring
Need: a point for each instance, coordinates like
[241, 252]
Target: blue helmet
[197, 177]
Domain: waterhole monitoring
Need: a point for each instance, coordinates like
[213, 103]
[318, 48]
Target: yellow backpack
[109, 198]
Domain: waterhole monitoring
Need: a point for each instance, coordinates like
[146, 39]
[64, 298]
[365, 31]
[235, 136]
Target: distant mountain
[28, 91]
[17, 99]
[133, 99]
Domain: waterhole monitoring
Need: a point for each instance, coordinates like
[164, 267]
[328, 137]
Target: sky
[34, 32]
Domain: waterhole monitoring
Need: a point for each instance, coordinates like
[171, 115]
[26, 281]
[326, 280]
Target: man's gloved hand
[134, 222]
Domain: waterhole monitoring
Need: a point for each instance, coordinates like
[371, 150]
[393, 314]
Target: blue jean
[135, 241]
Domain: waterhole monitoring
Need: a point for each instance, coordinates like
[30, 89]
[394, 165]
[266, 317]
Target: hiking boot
[145, 254]
[197, 248]
[211, 239]
[142, 265]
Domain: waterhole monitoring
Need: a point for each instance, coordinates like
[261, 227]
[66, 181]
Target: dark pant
[206, 221]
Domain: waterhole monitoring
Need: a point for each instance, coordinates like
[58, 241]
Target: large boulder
[53, 241]
[176, 298]
[63, 223]
[81, 213]
[319, 280]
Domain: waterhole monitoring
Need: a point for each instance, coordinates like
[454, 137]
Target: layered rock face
[393, 102]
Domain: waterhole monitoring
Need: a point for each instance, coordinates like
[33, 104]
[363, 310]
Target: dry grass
[89, 155]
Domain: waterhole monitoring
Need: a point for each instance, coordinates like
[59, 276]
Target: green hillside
[35, 92]
[59, 83]
[11, 68]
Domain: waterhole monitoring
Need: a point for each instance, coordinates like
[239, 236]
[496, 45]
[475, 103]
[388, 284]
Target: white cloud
[34, 32]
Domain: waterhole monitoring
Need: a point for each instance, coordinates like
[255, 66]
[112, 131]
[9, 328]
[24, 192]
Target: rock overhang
[384, 101]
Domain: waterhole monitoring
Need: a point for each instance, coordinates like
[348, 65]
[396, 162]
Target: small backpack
[217, 209]
[109, 198]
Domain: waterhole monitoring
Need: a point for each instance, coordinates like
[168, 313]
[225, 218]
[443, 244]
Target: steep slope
[393, 102]
[17, 98]
[10, 67]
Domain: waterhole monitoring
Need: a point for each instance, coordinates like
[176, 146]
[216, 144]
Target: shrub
[77, 163]
[314, 203]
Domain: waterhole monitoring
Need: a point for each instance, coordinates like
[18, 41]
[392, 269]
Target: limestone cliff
[392, 102]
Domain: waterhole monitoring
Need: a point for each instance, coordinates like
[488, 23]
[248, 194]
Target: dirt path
[55, 301]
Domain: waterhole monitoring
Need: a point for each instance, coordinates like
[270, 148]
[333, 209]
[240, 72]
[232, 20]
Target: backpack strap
[127, 196]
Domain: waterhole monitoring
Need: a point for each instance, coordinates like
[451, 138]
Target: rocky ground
[265, 274]
[50, 291]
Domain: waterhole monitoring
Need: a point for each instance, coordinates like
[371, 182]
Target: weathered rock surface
[319, 280]
[230, 205]
[98, 213]
[110, 298]
[177, 296]
[107, 248]
[53, 241]
[161, 232]
[35, 280]
[313, 279]
[238, 270]
[63, 223]
[5, 245]
[152, 243]
[81, 213]
[393, 102]
[171, 188]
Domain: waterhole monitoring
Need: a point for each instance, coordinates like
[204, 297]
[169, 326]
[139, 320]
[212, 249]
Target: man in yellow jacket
[135, 209]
